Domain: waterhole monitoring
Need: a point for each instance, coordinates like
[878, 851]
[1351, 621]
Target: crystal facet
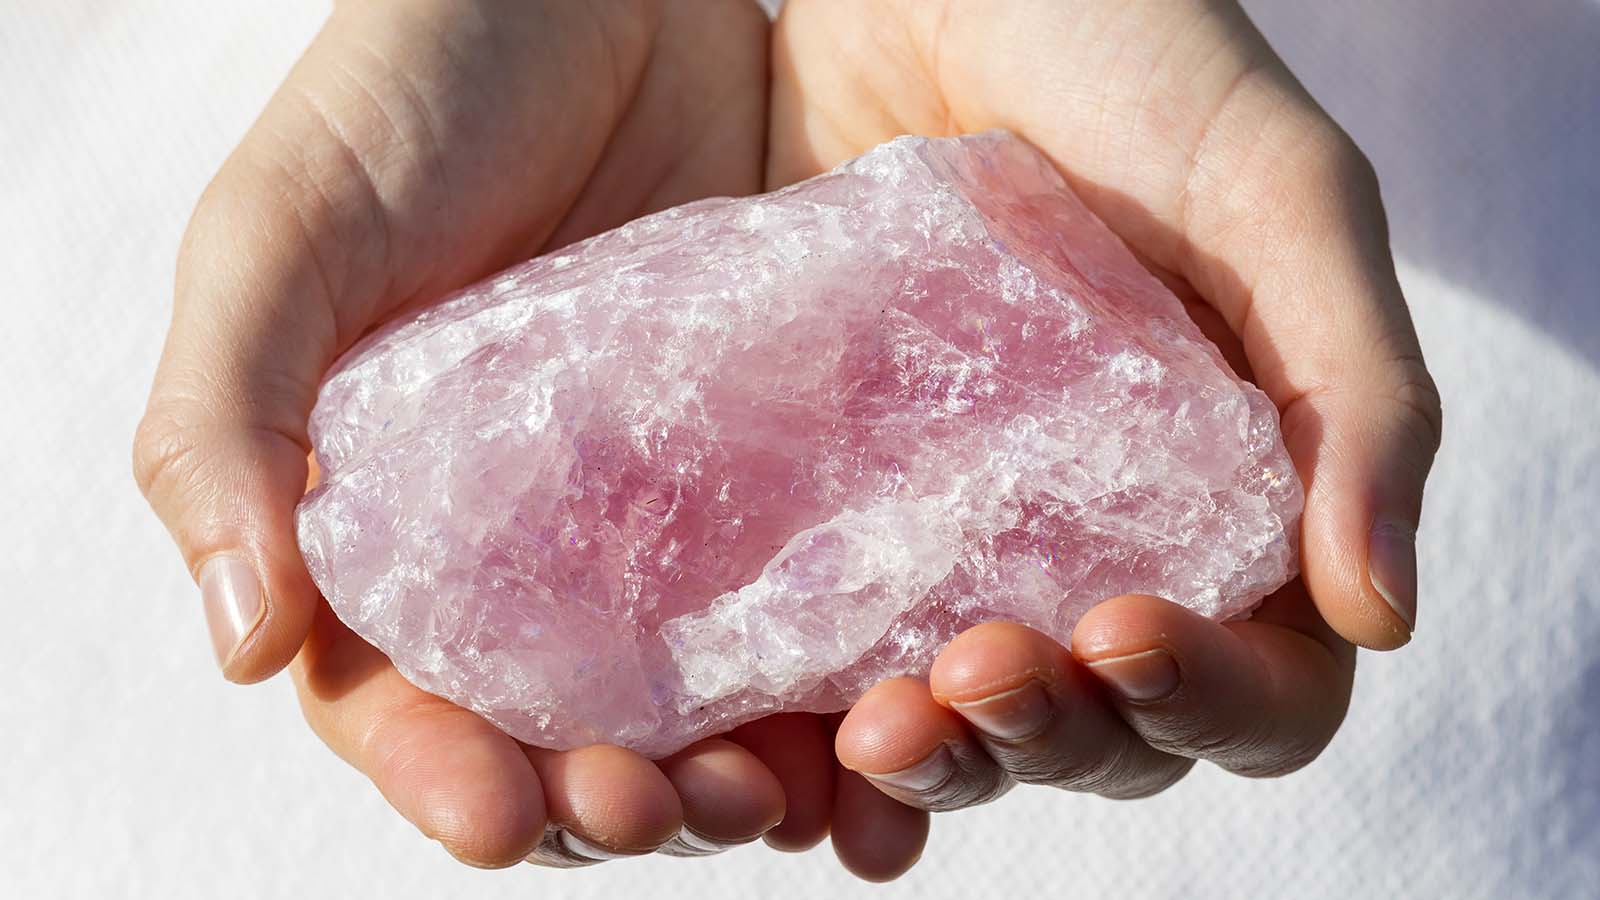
[751, 455]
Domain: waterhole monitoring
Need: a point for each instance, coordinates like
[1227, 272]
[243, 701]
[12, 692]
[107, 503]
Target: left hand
[418, 146]
[1178, 125]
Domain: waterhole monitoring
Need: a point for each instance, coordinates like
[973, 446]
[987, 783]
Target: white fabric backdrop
[1468, 767]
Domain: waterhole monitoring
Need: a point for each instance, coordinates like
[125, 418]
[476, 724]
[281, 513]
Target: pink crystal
[753, 455]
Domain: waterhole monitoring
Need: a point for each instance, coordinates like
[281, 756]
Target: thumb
[391, 167]
[221, 451]
[227, 487]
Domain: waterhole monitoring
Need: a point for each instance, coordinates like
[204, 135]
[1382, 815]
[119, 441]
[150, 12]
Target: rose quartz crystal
[754, 455]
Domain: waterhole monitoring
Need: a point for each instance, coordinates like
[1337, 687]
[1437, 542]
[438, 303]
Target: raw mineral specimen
[758, 454]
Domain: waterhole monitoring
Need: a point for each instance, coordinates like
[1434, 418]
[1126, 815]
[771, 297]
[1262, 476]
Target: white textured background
[1470, 765]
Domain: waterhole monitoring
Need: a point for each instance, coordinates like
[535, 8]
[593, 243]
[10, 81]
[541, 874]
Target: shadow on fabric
[1483, 120]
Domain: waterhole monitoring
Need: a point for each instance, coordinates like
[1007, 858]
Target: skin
[1179, 126]
[422, 144]
[417, 147]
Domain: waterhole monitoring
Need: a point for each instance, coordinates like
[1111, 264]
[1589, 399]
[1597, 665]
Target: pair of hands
[422, 144]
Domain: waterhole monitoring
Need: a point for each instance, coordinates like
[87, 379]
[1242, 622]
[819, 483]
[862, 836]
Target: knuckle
[1333, 159]
[163, 454]
[225, 205]
[1422, 408]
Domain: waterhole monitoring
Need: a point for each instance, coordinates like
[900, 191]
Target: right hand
[1181, 128]
[418, 146]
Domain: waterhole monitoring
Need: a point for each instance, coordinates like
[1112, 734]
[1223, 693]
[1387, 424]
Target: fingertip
[797, 748]
[875, 837]
[235, 606]
[728, 795]
[792, 837]
[1371, 625]
[257, 625]
[1139, 647]
[1363, 581]
[1134, 623]
[1373, 620]
[490, 829]
[460, 781]
[609, 797]
[1364, 452]
[1258, 697]
[893, 727]
[993, 658]
[227, 492]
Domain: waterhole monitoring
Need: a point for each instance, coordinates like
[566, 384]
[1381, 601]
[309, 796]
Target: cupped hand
[1177, 124]
[418, 146]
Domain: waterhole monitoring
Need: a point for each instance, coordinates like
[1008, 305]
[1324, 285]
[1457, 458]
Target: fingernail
[231, 594]
[932, 771]
[1392, 566]
[579, 847]
[1014, 715]
[1139, 677]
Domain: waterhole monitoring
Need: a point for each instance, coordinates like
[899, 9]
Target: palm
[1127, 128]
[519, 165]
[899, 67]
[418, 148]
[1179, 127]
[688, 124]
[692, 126]
[1122, 120]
